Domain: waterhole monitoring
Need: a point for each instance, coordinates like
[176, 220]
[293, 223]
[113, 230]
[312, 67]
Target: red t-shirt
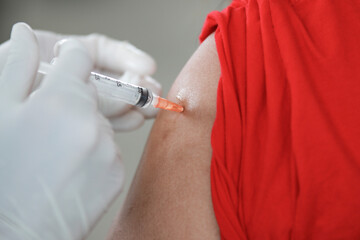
[286, 139]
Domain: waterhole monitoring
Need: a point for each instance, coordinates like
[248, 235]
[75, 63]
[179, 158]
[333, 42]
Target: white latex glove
[59, 165]
[113, 58]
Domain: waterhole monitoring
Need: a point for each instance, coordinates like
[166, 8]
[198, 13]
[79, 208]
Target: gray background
[166, 29]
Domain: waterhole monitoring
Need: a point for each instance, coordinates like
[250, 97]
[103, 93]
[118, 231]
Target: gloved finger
[103, 171]
[111, 107]
[71, 71]
[73, 60]
[4, 53]
[148, 112]
[149, 83]
[117, 56]
[130, 121]
[47, 41]
[21, 65]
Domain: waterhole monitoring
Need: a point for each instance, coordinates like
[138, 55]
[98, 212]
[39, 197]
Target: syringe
[125, 92]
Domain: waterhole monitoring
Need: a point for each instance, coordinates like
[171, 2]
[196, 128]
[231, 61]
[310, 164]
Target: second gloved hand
[111, 57]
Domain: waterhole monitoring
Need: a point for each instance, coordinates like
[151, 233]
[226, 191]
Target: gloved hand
[59, 165]
[113, 58]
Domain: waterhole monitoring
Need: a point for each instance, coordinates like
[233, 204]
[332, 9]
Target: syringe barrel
[126, 92]
[113, 88]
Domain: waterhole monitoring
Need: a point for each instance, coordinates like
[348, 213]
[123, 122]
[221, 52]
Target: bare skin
[170, 196]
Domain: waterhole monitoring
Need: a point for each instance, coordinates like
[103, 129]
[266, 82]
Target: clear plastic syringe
[125, 92]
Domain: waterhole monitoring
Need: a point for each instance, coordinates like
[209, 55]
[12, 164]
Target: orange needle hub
[167, 105]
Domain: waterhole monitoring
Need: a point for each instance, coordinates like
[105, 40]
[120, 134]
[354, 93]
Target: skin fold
[170, 197]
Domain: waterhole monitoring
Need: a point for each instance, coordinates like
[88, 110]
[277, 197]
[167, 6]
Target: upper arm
[170, 197]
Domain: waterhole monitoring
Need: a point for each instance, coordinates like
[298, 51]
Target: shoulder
[196, 85]
[172, 183]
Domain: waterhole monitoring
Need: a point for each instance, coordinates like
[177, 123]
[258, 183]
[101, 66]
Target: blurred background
[166, 29]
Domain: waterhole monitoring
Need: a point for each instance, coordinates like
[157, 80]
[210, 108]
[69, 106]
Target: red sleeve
[285, 141]
[227, 156]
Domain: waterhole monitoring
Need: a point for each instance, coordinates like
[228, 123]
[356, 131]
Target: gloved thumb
[21, 65]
